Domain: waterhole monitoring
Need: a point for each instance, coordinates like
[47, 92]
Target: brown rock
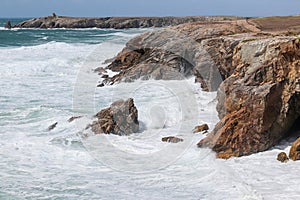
[171, 139]
[282, 157]
[259, 102]
[121, 118]
[73, 118]
[203, 127]
[295, 150]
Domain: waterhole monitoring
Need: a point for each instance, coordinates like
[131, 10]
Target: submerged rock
[121, 118]
[282, 157]
[74, 118]
[52, 126]
[295, 150]
[171, 139]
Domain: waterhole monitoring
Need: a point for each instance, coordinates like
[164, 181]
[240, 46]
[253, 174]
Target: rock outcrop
[295, 150]
[121, 118]
[260, 101]
[55, 21]
[193, 49]
[259, 98]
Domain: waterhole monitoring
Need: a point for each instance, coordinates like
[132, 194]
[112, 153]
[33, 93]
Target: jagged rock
[203, 127]
[171, 139]
[259, 102]
[295, 150]
[282, 157]
[121, 118]
[73, 118]
[8, 25]
[179, 52]
[55, 21]
[52, 126]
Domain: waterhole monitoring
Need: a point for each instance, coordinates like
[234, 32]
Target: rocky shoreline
[256, 73]
[114, 22]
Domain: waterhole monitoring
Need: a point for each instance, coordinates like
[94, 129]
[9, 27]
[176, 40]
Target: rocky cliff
[256, 73]
[112, 22]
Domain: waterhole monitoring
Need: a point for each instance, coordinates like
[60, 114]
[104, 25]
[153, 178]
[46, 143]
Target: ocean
[47, 76]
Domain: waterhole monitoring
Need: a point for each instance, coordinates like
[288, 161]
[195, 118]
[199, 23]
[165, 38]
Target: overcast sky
[100, 8]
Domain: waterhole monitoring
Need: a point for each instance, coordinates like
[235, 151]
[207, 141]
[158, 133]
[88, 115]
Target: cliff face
[257, 75]
[112, 22]
[260, 101]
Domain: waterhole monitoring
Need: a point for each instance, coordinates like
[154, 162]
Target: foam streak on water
[37, 81]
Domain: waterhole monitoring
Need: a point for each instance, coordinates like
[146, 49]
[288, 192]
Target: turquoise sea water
[29, 37]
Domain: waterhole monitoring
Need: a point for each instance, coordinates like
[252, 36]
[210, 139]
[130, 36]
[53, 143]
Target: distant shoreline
[115, 22]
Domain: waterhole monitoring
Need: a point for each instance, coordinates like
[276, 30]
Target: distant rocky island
[55, 21]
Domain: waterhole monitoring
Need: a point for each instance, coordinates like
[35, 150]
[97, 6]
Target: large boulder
[121, 118]
[260, 101]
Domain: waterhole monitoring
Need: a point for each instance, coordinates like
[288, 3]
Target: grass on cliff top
[277, 23]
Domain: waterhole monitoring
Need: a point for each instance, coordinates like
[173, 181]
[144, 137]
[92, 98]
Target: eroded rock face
[175, 53]
[121, 118]
[295, 150]
[260, 101]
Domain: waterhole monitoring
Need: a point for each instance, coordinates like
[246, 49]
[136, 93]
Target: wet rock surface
[121, 118]
[201, 128]
[171, 139]
[282, 157]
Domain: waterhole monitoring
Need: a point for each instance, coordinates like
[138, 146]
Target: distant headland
[55, 21]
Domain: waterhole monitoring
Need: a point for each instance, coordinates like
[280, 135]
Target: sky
[105, 8]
